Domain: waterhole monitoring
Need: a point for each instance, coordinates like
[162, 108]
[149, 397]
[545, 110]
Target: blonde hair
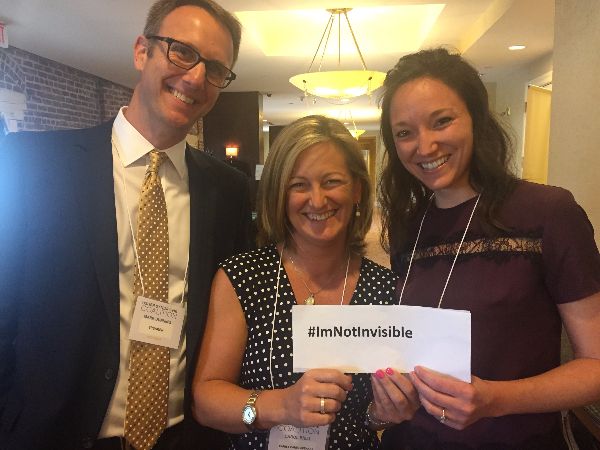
[272, 222]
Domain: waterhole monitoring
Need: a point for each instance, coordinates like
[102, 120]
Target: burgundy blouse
[512, 284]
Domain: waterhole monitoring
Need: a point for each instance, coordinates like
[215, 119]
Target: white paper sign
[157, 322]
[364, 338]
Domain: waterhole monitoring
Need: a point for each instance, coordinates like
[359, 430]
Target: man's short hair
[160, 9]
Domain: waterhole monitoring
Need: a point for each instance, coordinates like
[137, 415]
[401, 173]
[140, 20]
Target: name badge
[295, 438]
[157, 323]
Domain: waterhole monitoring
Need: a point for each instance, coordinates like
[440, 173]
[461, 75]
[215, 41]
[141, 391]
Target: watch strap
[251, 402]
[252, 399]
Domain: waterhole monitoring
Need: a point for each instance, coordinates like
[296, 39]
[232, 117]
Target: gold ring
[443, 416]
[322, 410]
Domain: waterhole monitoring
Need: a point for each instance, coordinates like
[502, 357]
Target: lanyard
[455, 257]
[274, 317]
[279, 267]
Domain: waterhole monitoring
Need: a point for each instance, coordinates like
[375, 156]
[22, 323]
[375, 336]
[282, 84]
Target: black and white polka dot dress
[254, 277]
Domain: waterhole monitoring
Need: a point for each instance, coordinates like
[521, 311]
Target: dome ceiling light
[337, 85]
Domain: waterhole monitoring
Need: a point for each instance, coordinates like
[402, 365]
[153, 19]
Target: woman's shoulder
[535, 203]
[253, 258]
[546, 211]
[537, 195]
[377, 284]
[372, 270]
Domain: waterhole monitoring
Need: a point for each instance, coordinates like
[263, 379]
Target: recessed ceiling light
[516, 47]
[284, 32]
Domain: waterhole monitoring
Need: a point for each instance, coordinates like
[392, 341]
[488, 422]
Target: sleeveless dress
[254, 277]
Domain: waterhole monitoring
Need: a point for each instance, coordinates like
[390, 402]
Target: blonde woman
[314, 209]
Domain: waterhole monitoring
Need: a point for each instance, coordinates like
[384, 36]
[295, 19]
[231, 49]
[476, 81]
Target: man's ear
[140, 52]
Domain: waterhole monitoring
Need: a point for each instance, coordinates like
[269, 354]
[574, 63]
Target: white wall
[574, 158]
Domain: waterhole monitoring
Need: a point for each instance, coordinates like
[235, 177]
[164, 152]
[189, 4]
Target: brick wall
[58, 96]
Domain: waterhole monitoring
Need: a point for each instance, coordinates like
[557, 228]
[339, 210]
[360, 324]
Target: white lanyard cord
[455, 256]
[280, 265]
[187, 266]
[345, 280]
[413, 250]
[274, 316]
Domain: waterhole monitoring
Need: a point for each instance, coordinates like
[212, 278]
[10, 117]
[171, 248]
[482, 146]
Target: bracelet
[373, 421]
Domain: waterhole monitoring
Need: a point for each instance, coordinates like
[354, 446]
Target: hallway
[374, 250]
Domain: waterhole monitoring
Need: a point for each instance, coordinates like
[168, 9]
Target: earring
[357, 211]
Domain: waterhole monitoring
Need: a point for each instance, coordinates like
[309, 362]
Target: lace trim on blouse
[484, 245]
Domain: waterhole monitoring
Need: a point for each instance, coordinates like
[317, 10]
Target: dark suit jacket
[59, 289]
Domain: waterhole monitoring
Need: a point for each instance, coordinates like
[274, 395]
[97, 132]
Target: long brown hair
[401, 195]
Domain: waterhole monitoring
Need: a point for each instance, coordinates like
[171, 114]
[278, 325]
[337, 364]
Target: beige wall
[574, 159]
[511, 93]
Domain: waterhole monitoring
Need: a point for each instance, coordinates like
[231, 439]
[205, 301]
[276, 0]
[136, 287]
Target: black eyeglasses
[186, 57]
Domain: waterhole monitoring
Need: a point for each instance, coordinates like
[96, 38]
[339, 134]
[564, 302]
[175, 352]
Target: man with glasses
[78, 266]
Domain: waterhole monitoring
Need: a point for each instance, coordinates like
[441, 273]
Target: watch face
[248, 414]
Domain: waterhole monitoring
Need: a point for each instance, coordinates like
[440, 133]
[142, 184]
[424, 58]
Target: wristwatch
[249, 411]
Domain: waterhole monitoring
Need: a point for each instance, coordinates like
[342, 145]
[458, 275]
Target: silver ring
[443, 416]
[322, 410]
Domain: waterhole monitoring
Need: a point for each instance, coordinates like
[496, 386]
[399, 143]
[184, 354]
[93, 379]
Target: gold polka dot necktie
[148, 391]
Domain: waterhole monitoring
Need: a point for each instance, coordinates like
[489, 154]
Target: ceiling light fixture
[345, 116]
[356, 133]
[516, 47]
[340, 85]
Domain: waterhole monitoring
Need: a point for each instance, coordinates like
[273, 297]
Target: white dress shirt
[130, 161]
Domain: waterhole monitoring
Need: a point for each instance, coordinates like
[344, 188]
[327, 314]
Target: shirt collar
[132, 146]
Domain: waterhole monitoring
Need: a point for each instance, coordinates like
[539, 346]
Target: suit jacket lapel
[93, 170]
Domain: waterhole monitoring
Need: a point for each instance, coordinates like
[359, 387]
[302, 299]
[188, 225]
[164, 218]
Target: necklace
[455, 257]
[310, 300]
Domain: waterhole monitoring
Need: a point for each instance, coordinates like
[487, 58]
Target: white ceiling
[97, 37]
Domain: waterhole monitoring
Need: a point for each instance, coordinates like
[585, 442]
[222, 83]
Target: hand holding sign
[459, 403]
[395, 399]
[302, 401]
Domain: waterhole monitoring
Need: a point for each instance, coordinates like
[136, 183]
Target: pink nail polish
[389, 371]
[379, 374]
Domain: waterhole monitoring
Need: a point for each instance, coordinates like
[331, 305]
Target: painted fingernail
[389, 371]
[380, 374]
